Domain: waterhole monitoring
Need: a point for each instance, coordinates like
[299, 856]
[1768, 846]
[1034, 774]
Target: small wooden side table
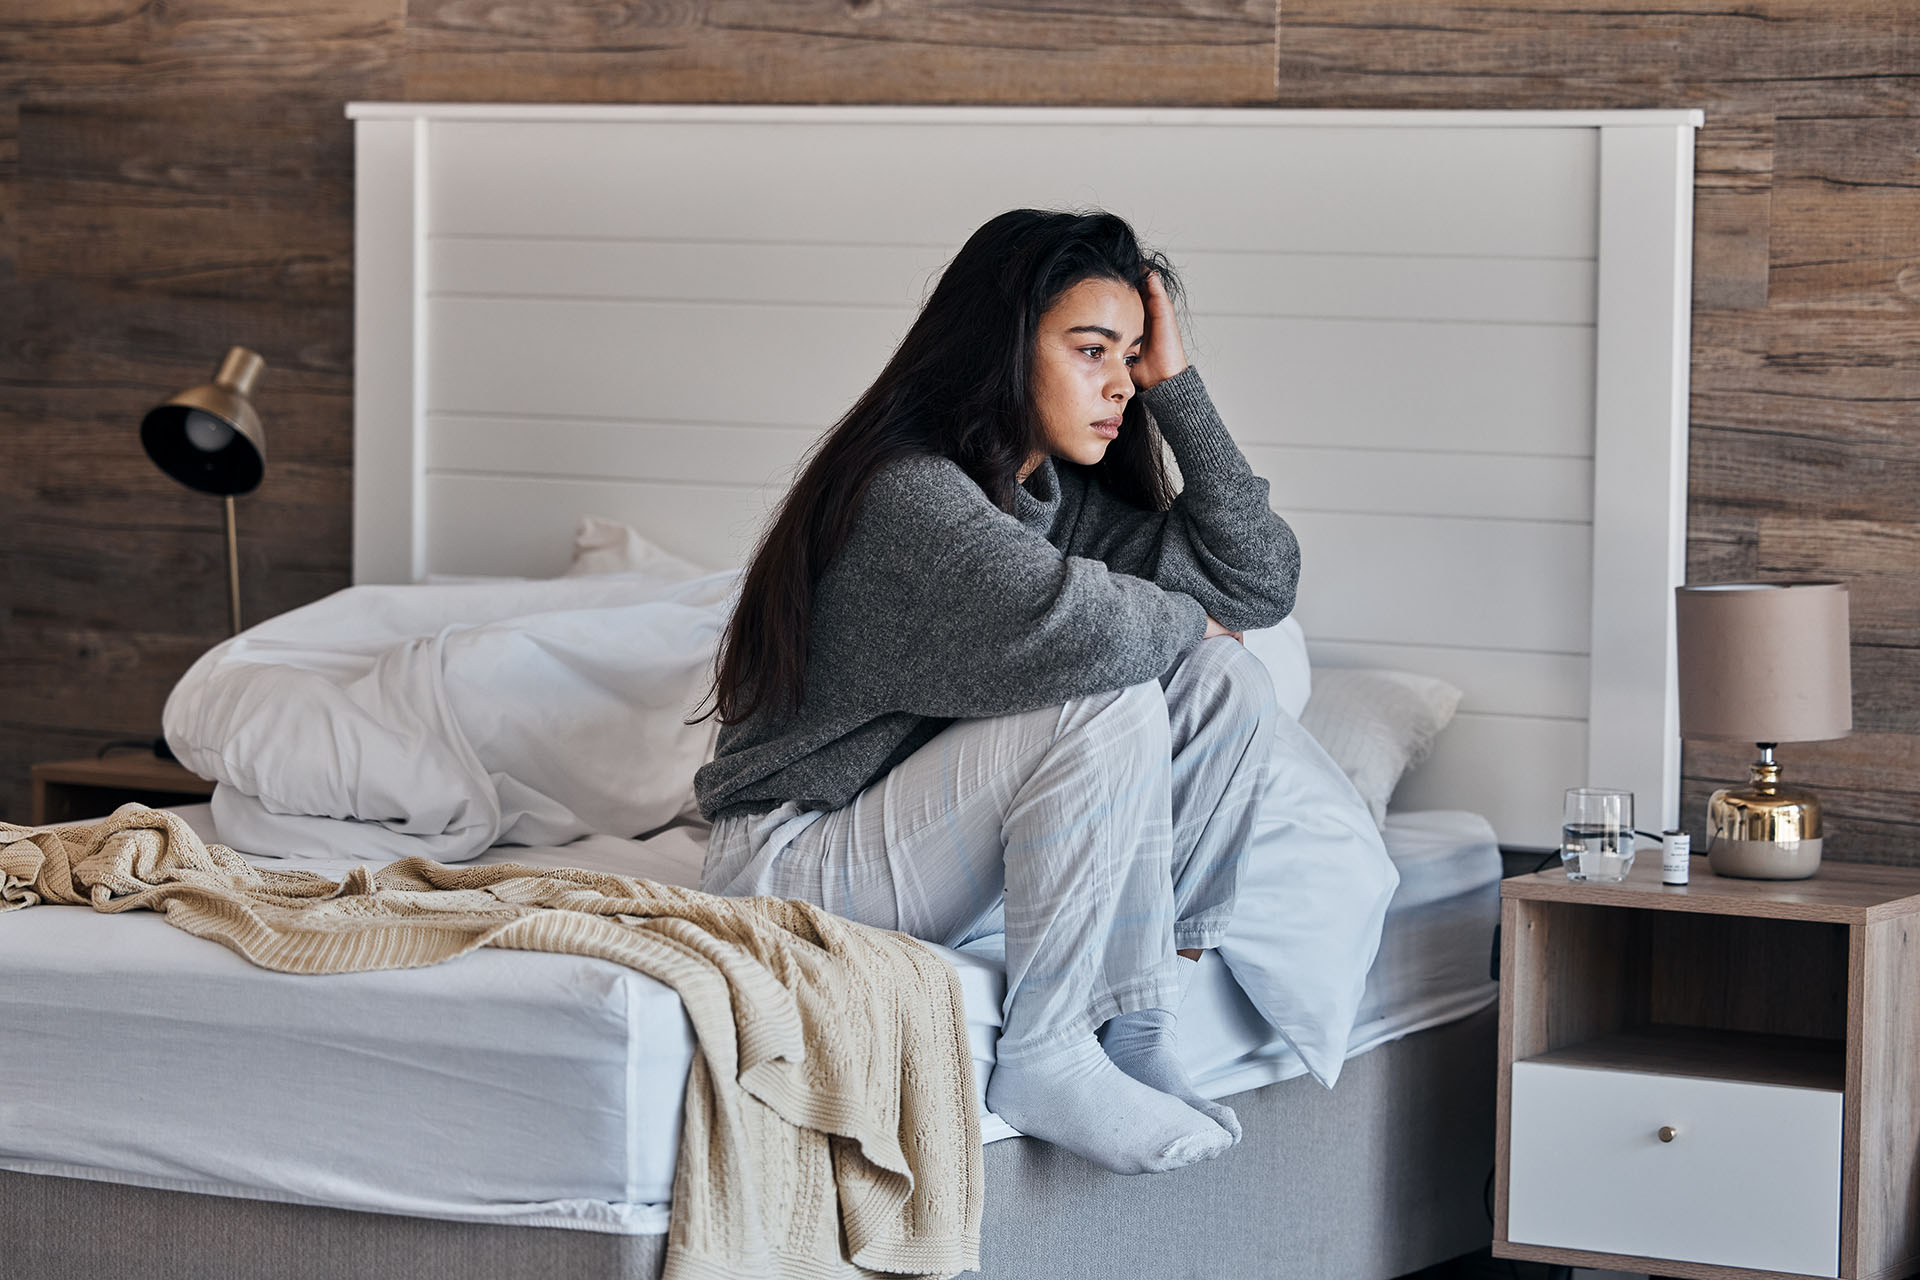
[66, 790]
[1714, 1080]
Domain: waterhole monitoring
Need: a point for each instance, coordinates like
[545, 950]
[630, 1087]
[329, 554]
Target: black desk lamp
[209, 438]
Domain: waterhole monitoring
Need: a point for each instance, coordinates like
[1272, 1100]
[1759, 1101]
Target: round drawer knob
[1668, 1133]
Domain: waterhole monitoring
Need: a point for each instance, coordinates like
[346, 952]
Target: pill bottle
[1676, 848]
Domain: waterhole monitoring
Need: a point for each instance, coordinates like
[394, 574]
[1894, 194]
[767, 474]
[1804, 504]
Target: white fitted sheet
[515, 1087]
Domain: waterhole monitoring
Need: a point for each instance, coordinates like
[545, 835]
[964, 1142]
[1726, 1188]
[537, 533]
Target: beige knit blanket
[831, 1123]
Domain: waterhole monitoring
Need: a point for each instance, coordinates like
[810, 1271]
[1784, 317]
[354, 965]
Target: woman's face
[1082, 368]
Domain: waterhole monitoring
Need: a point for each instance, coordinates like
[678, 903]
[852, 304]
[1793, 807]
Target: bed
[1479, 321]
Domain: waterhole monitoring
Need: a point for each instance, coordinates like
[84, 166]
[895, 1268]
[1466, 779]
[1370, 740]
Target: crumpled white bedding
[440, 720]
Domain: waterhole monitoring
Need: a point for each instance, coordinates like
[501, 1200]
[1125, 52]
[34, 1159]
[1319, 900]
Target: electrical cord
[1551, 854]
[156, 747]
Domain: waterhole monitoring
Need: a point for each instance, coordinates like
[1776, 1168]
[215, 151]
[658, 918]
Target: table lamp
[209, 438]
[1764, 663]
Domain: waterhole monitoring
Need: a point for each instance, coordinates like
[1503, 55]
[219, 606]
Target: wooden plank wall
[177, 177]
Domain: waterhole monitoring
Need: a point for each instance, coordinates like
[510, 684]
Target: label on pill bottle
[1676, 849]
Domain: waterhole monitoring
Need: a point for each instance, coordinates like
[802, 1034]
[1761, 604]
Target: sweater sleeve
[1220, 542]
[976, 615]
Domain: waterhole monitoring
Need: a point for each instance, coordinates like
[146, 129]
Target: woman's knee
[1226, 676]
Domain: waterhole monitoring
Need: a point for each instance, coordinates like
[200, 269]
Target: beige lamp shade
[1765, 662]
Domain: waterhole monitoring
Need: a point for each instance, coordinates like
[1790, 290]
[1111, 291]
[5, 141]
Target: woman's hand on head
[1215, 629]
[1162, 355]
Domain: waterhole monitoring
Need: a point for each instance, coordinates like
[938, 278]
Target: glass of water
[1596, 834]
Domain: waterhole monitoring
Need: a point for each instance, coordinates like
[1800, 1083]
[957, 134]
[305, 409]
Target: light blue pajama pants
[1109, 829]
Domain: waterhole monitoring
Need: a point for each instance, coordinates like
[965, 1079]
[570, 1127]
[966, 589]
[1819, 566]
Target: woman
[978, 678]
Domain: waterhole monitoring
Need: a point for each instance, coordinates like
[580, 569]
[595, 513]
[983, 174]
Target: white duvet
[440, 720]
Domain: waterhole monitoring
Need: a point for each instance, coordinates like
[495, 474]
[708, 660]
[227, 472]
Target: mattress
[513, 1087]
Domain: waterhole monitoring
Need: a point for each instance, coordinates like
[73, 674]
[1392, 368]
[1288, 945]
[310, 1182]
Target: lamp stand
[1765, 831]
[233, 570]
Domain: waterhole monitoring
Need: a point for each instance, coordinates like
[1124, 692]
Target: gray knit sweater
[941, 606]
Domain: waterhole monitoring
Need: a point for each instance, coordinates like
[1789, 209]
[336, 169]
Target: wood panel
[1848, 195]
[222, 212]
[1844, 894]
[1880, 1227]
[1878, 559]
[1844, 189]
[1827, 374]
[9, 189]
[1205, 51]
[1741, 973]
[164, 203]
[1706, 1054]
[1821, 474]
[1732, 210]
[1801, 55]
[115, 50]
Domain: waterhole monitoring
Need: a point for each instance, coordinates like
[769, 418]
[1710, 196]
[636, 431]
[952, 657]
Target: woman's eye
[1132, 361]
[1093, 353]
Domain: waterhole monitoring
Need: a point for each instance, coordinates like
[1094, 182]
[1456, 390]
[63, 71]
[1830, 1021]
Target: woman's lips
[1108, 428]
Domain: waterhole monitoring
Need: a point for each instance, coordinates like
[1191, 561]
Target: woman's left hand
[1161, 355]
[1215, 629]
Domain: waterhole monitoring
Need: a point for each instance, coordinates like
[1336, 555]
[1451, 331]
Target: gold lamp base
[1764, 831]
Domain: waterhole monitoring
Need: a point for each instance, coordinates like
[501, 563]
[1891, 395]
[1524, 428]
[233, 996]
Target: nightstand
[70, 789]
[1720, 1079]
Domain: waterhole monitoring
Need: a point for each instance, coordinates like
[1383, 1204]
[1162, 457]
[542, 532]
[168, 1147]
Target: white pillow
[607, 546]
[1378, 724]
[1313, 895]
[1283, 650]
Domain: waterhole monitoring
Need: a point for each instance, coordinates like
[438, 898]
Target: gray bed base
[1380, 1177]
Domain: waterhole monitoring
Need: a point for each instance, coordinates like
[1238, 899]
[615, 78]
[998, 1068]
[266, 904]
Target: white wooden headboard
[1455, 342]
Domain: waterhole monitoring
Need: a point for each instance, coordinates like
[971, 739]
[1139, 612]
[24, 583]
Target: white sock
[1080, 1100]
[1141, 1044]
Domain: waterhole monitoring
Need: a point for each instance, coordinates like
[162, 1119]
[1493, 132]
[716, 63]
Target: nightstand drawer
[1750, 1179]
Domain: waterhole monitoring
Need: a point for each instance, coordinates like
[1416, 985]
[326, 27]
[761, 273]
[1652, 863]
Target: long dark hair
[958, 386]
